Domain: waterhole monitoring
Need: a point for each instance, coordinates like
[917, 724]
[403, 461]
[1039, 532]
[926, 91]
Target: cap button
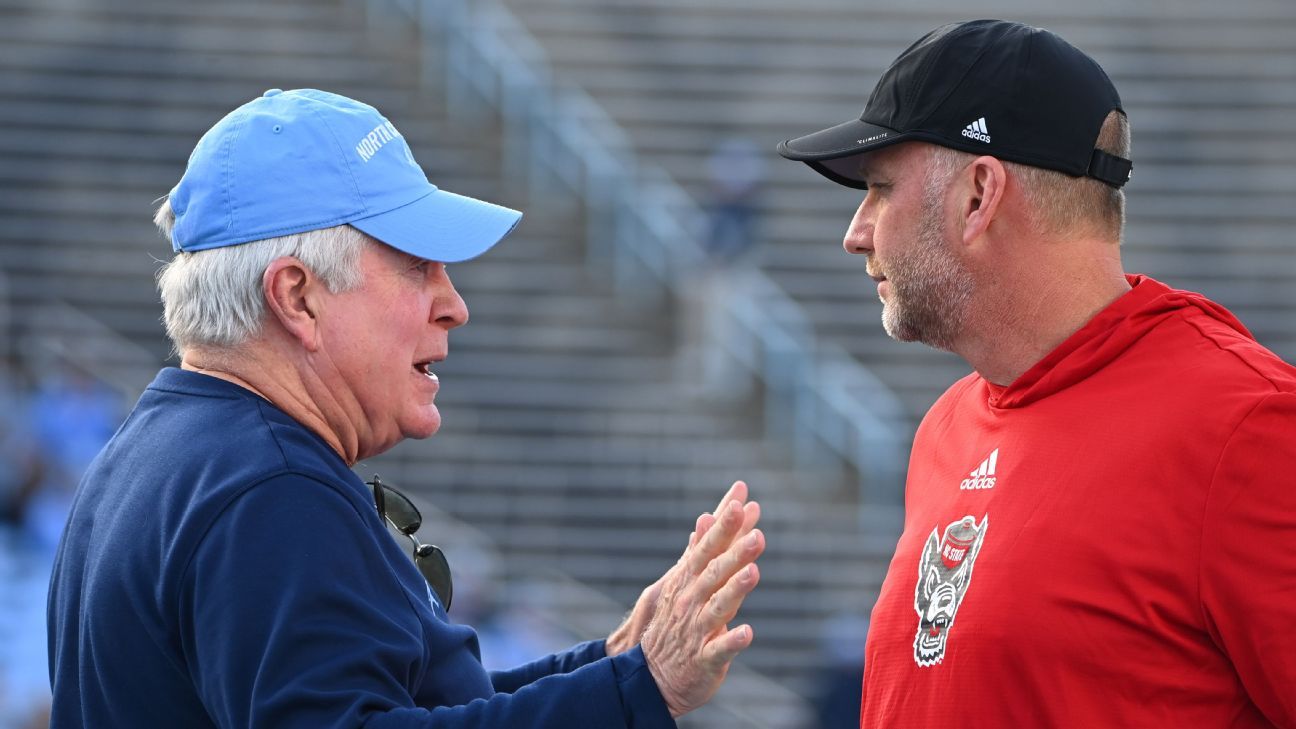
[273, 92]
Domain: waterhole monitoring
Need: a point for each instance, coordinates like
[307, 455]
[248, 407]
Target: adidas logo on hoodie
[983, 476]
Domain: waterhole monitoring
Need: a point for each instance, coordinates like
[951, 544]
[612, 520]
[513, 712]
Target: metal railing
[56, 332]
[641, 228]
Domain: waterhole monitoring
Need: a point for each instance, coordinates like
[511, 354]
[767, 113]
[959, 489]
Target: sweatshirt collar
[1104, 338]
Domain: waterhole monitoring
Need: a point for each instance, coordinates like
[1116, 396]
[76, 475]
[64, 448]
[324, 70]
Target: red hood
[1106, 336]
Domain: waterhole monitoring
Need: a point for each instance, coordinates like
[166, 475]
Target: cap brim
[442, 226]
[832, 152]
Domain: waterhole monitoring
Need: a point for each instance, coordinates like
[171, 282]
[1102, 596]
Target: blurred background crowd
[674, 312]
[52, 423]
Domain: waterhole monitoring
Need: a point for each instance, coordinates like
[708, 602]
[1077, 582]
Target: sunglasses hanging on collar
[400, 512]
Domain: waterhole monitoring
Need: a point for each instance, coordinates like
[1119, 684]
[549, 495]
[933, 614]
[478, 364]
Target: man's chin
[895, 326]
[425, 426]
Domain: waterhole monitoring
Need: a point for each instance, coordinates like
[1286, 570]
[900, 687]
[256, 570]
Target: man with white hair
[224, 567]
[1107, 504]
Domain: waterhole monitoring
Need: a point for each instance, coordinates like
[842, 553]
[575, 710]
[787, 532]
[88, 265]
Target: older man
[1107, 504]
[224, 567]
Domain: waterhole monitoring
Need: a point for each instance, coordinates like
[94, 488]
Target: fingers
[751, 515]
[723, 568]
[724, 648]
[710, 545]
[688, 645]
[751, 510]
[737, 492]
[704, 523]
[723, 605]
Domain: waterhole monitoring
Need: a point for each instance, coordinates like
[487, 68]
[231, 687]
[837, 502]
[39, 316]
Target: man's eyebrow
[863, 167]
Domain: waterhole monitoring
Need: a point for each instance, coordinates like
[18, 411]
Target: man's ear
[291, 292]
[985, 180]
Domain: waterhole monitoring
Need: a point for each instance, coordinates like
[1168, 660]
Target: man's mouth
[425, 368]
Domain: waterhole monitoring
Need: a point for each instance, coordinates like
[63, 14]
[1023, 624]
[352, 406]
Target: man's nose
[448, 307]
[859, 236]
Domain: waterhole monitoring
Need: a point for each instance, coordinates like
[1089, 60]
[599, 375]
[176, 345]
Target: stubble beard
[930, 287]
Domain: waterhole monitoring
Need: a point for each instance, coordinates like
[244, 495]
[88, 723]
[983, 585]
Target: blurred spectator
[21, 468]
[24, 677]
[72, 416]
[736, 173]
[47, 437]
[24, 567]
[511, 630]
[840, 683]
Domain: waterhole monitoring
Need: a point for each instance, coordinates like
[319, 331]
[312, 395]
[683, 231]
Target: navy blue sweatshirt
[223, 567]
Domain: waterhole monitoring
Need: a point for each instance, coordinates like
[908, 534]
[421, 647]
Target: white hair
[213, 298]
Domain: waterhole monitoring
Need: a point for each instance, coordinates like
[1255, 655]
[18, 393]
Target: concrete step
[823, 13]
[816, 24]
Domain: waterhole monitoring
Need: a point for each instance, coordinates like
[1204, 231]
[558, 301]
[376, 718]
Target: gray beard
[930, 288]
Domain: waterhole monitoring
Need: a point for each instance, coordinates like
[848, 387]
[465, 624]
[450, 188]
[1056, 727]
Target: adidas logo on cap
[983, 476]
[977, 130]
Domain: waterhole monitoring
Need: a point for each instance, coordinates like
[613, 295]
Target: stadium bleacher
[568, 442]
[1210, 90]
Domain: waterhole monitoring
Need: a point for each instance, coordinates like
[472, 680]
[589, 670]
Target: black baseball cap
[992, 87]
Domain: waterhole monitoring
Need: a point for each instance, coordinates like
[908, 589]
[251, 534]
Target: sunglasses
[399, 511]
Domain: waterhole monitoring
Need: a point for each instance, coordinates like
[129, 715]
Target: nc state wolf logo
[944, 572]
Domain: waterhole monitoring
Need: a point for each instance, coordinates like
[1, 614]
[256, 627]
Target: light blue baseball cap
[292, 161]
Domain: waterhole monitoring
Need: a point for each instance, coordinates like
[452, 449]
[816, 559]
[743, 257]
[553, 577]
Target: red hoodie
[1129, 507]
